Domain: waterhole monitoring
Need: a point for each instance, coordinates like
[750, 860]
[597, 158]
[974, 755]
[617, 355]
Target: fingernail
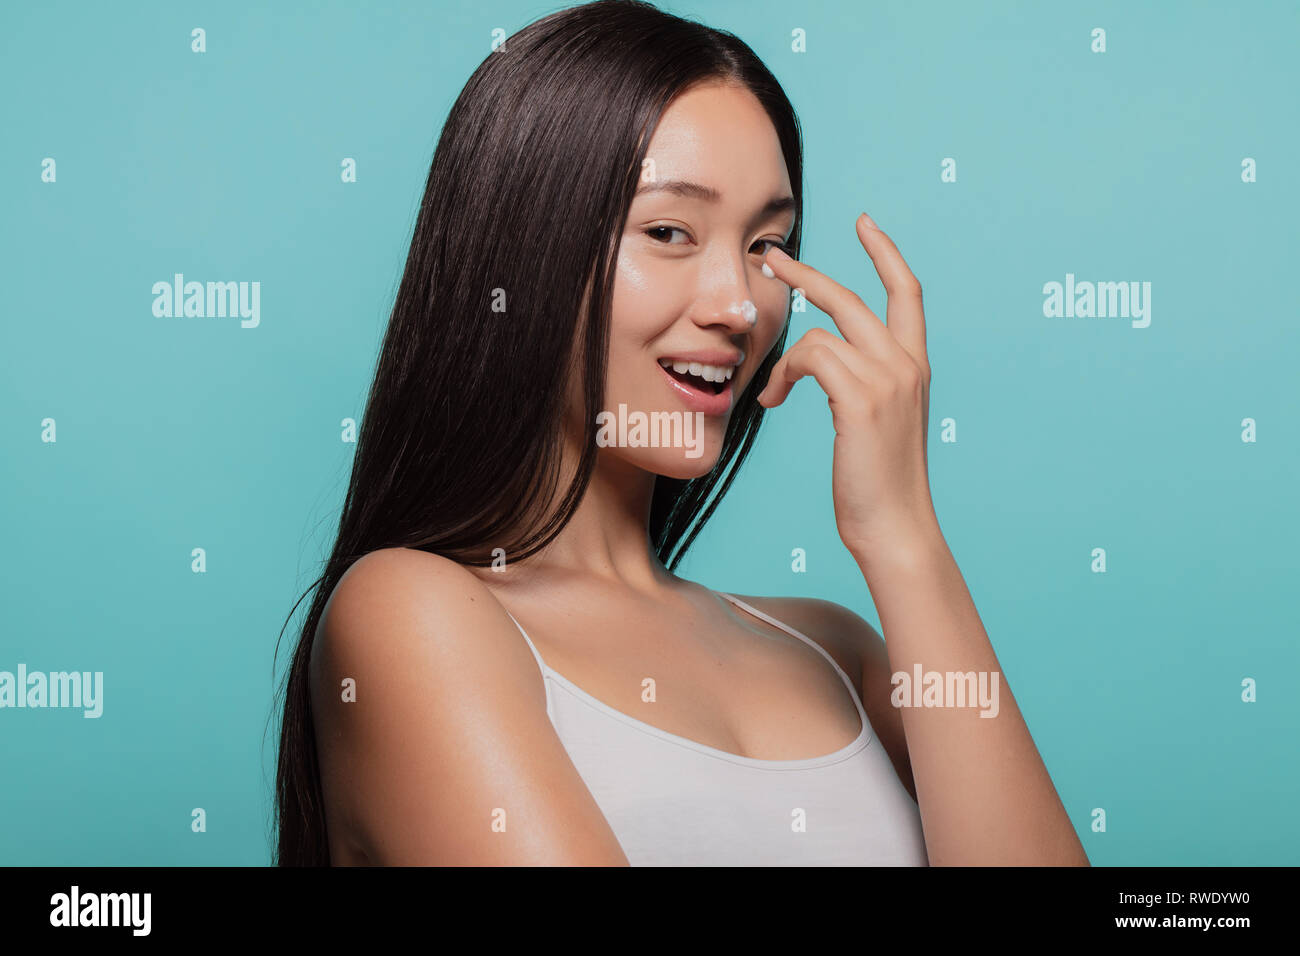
[767, 271]
[870, 221]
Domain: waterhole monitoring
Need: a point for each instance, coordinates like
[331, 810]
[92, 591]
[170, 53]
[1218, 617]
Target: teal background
[1072, 433]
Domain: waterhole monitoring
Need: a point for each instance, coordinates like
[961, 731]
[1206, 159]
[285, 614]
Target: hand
[877, 382]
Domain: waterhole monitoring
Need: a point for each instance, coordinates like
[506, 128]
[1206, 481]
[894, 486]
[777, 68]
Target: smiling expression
[694, 315]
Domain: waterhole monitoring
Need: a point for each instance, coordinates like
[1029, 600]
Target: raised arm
[983, 791]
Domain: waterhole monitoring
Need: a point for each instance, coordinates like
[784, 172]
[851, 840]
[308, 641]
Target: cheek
[639, 314]
[773, 307]
[641, 278]
[631, 291]
[643, 303]
[774, 296]
[631, 275]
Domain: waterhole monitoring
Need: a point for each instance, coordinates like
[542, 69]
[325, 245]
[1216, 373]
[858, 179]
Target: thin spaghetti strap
[532, 647]
[807, 640]
[541, 664]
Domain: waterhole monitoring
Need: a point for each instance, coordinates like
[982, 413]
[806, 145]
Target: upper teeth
[710, 373]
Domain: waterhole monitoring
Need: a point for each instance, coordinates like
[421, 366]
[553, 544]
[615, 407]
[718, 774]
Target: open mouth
[710, 379]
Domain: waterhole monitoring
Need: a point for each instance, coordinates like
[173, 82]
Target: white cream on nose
[748, 310]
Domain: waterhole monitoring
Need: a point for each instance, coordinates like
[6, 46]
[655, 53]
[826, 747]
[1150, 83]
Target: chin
[679, 466]
[682, 463]
[680, 443]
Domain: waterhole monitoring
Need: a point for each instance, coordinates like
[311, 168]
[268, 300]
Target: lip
[707, 357]
[695, 399]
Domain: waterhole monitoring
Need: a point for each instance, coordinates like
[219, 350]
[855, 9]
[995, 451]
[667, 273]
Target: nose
[724, 298]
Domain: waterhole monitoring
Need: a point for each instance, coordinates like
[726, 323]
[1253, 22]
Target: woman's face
[693, 314]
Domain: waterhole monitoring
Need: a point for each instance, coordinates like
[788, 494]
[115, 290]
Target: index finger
[904, 314]
[851, 315]
[860, 326]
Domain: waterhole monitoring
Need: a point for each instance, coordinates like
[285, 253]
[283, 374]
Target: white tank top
[674, 802]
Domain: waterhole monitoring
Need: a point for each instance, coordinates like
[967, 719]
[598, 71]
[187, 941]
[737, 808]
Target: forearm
[984, 794]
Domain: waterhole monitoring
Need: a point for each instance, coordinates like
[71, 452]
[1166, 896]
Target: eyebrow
[689, 190]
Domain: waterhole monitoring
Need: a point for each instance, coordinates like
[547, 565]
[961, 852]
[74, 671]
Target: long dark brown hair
[525, 203]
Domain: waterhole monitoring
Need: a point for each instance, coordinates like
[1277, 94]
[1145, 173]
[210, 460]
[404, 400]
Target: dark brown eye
[669, 229]
[780, 245]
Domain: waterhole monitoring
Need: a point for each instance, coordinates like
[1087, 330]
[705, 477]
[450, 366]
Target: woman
[499, 666]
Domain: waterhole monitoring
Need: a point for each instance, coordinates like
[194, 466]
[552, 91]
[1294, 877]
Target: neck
[608, 536]
[607, 540]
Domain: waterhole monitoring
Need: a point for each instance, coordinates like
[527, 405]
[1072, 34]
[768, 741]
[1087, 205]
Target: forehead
[719, 135]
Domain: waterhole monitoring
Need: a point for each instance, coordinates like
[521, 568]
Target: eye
[784, 247]
[654, 229]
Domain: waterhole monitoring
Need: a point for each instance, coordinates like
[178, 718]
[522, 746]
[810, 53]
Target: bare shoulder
[375, 578]
[434, 743]
[395, 605]
[860, 649]
[392, 584]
